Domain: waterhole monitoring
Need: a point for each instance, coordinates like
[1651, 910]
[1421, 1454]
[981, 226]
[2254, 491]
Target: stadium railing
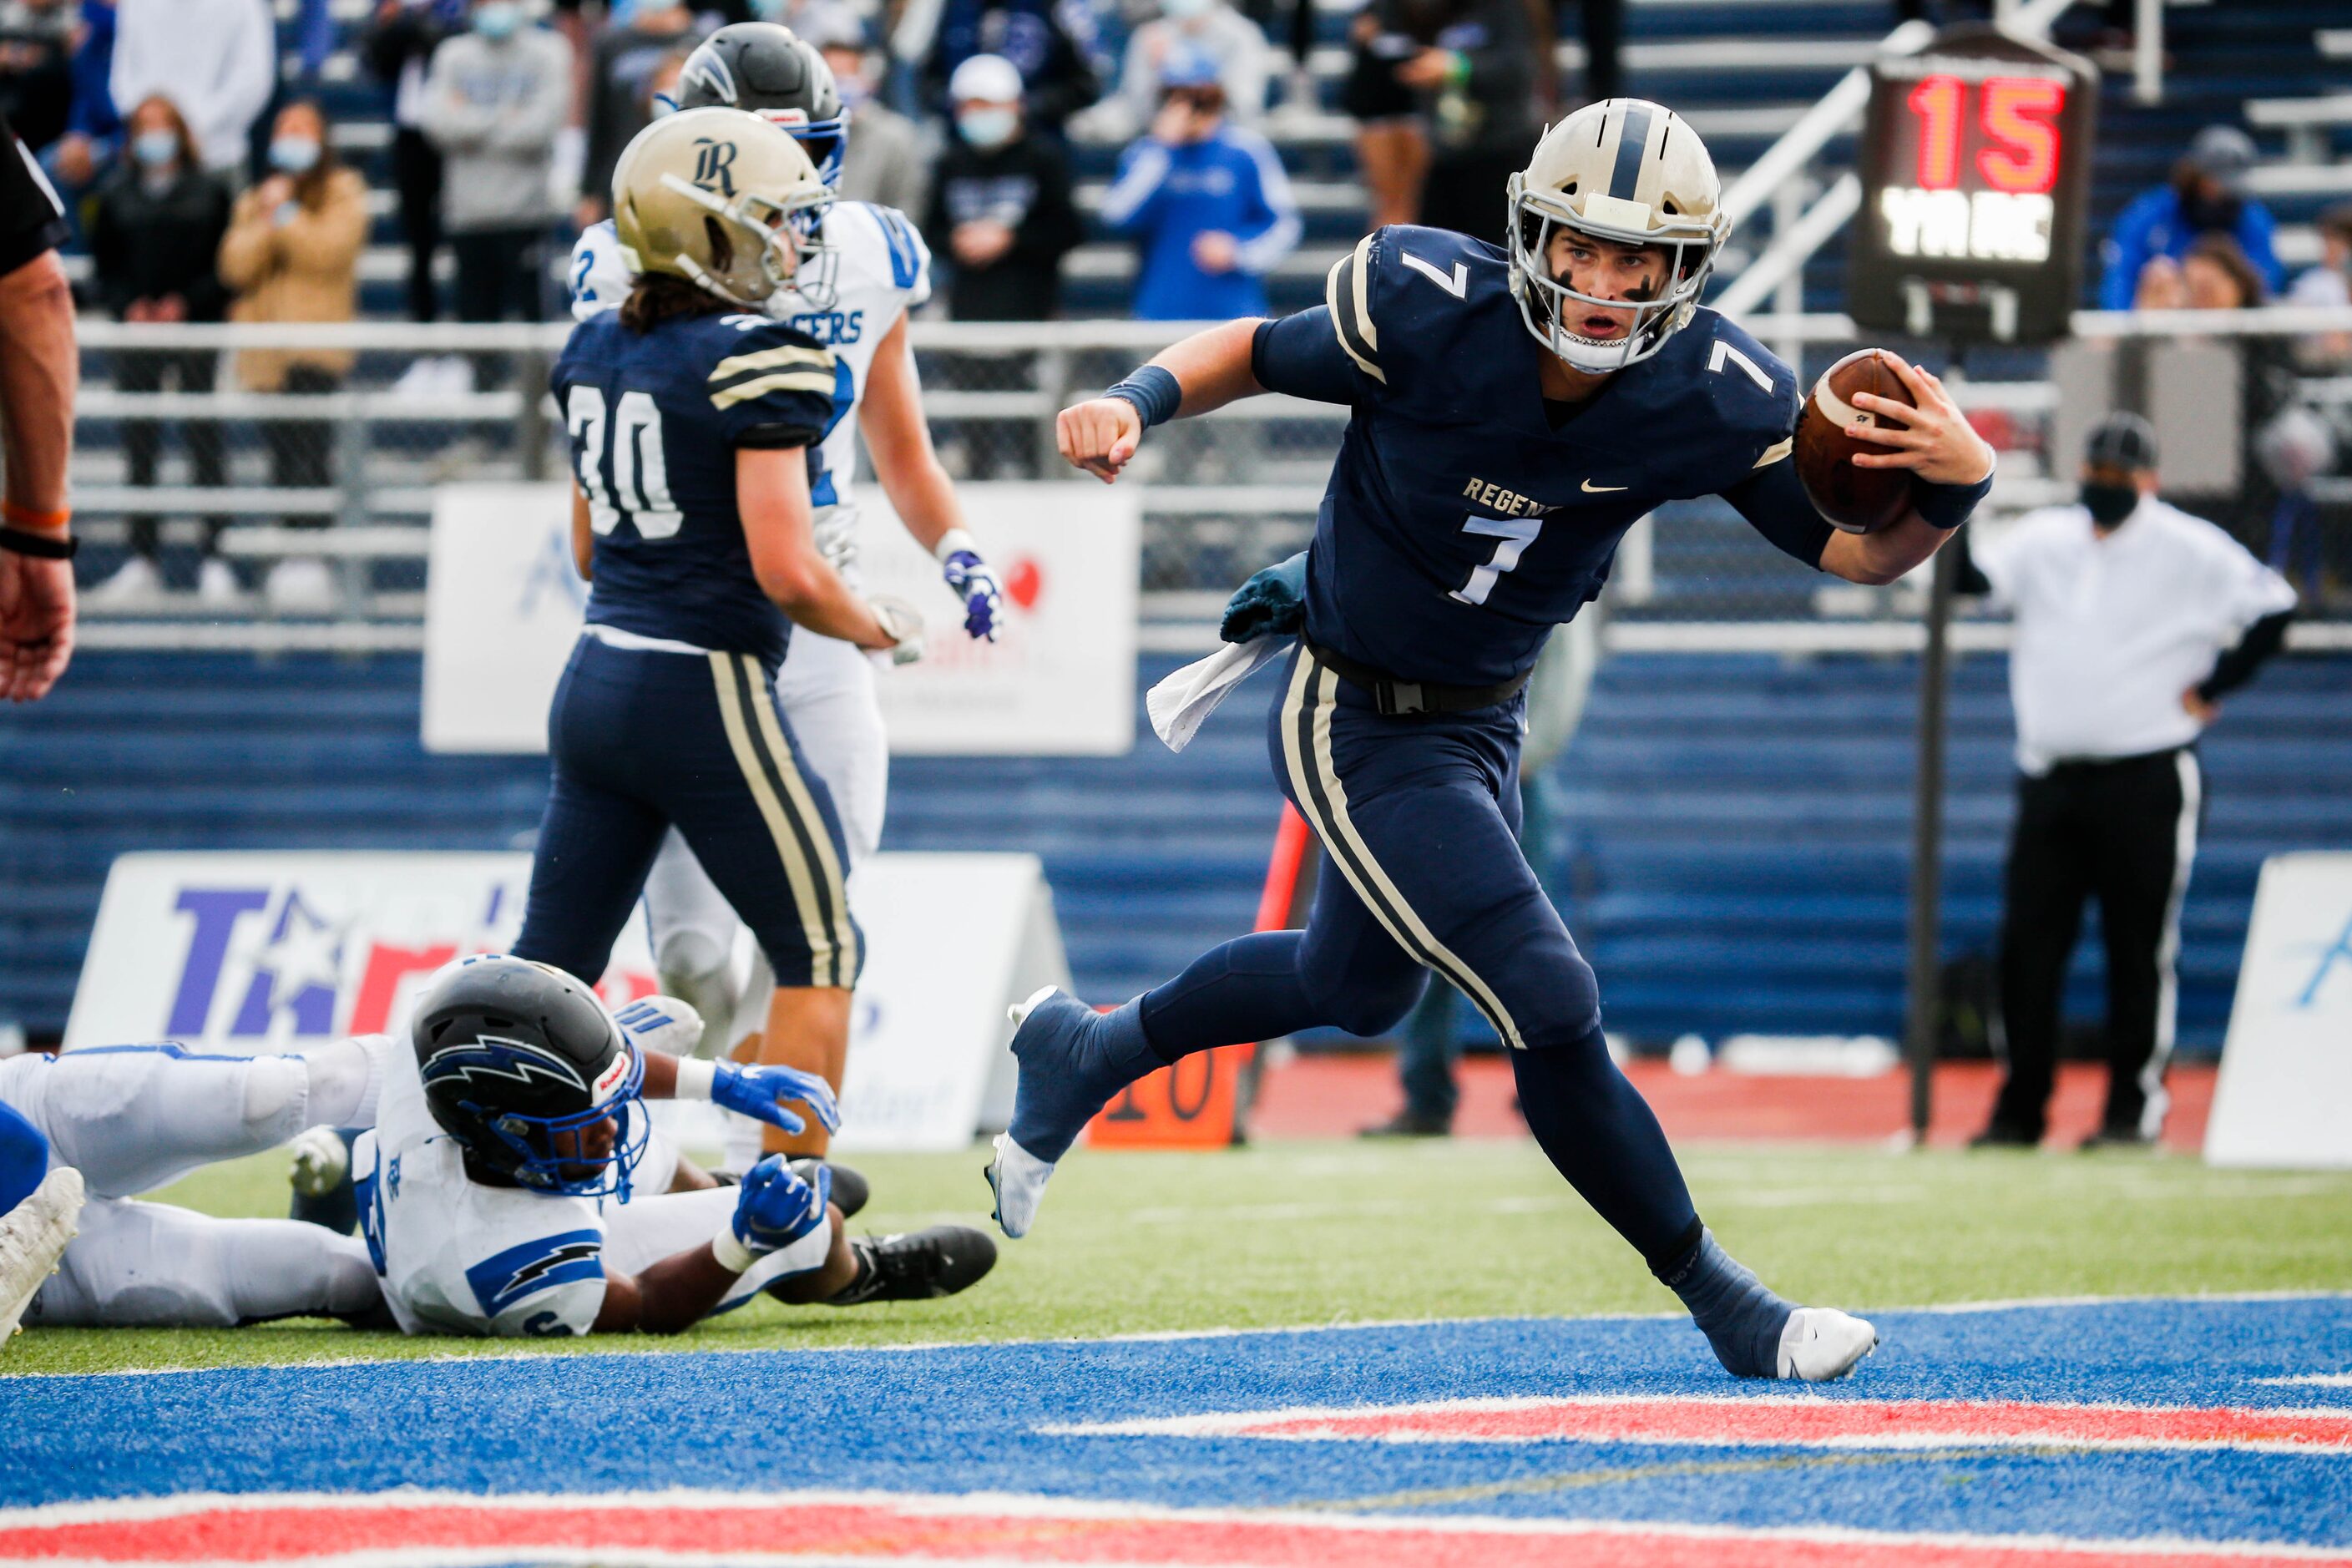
[1223, 496]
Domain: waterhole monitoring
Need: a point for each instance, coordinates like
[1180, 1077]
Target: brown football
[1831, 430]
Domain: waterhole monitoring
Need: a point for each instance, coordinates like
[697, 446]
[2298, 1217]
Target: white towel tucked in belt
[1181, 704]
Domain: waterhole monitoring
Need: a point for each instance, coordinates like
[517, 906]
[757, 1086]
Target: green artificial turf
[1304, 1233]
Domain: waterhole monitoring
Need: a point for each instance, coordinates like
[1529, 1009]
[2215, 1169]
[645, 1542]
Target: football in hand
[1831, 431]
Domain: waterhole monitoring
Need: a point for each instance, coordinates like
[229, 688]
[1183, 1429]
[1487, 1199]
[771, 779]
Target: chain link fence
[176, 457]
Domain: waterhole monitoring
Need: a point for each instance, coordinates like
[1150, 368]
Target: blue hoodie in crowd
[1166, 197]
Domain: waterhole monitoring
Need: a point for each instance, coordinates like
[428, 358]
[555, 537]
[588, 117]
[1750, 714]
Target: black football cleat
[850, 1190]
[2001, 1134]
[919, 1266]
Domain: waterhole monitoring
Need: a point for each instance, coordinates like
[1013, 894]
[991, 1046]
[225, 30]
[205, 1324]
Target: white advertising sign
[2284, 1096]
[503, 604]
[257, 951]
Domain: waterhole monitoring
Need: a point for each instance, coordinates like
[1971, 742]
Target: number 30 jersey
[656, 419]
[1466, 517]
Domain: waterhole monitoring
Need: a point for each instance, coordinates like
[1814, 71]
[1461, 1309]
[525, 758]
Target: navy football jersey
[1460, 524]
[656, 419]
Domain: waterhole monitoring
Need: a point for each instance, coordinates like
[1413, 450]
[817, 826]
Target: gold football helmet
[723, 199]
[1624, 170]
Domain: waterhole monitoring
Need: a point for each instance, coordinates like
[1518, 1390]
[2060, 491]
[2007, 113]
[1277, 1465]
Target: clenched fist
[1099, 436]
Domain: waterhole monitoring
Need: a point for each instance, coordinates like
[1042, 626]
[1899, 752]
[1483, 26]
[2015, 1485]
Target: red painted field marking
[735, 1527]
[1803, 1422]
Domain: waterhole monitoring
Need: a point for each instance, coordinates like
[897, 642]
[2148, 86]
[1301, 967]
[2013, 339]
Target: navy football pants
[641, 740]
[1418, 819]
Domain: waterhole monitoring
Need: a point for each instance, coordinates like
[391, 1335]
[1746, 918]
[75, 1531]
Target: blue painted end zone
[966, 1420]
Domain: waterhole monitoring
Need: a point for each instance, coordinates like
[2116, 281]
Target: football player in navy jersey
[696, 424]
[1513, 411]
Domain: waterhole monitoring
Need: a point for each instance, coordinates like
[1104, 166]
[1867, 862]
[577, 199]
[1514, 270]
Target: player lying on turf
[1513, 412]
[483, 1186]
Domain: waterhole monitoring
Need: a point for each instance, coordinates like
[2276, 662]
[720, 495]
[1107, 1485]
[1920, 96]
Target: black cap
[2123, 441]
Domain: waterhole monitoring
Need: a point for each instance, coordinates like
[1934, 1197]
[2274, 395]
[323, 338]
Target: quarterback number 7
[1516, 534]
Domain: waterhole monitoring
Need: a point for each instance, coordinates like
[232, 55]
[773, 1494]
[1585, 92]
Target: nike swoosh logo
[1598, 489]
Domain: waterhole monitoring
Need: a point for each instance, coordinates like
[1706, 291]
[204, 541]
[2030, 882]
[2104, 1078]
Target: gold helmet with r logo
[723, 199]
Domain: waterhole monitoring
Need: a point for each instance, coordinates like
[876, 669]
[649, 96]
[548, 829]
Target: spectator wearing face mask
[155, 236]
[36, 48]
[1205, 202]
[2207, 194]
[495, 99]
[398, 48]
[217, 59]
[1184, 33]
[886, 162]
[619, 106]
[291, 254]
[1051, 44]
[1002, 201]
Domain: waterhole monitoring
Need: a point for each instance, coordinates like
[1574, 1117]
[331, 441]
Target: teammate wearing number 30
[1514, 411]
[695, 421]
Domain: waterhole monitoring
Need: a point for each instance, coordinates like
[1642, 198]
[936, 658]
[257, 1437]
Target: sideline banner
[503, 604]
[250, 953]
[2284, 1094]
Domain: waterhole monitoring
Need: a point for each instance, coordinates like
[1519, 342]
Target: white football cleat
[1018, 1179]
[1820, 1343]
[320, 1162]
[33, 1237]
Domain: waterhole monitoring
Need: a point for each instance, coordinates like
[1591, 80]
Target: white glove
[661, 1023]
[320, 1162]
[903, 623]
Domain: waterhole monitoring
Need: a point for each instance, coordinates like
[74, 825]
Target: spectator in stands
[93, 130]
[217, 59]
[1051, 43]
[1478, 78]
[1391, 141]
[2328, 285]
[36, 48]
[1206, 203]
[1186, 31]
[495, 99]
[1002, 204]
[888, 160]
[398, 48]
[154, 237]
[2207, 194]
[619, 104]
[291, 254]
[2133, 620]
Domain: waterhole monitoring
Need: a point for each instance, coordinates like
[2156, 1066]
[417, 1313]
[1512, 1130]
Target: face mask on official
[2109, 502]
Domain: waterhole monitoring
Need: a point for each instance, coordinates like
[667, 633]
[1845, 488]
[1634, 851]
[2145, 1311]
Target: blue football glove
[775, 1208]
[974, 582]
[755, 1090]
[1271, 604]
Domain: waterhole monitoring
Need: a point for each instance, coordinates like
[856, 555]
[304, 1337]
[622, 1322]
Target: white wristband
[728, 1249]
[953, 540]
[695, 1077]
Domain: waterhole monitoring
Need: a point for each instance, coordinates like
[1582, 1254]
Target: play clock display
[1976, 164]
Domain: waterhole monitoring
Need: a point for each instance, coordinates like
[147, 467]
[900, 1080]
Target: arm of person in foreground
[41, 370]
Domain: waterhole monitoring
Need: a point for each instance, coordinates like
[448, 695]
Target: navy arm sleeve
[2237, 666]
[1301, 355]
[1776, 506]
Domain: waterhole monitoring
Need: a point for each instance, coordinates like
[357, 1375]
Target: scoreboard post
[1975, 173]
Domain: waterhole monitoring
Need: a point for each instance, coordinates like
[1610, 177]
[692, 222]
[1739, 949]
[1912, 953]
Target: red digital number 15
[2016, 115]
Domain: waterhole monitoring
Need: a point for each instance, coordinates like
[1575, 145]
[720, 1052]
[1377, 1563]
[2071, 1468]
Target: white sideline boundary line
[1017, 1505]
[1158, 1336]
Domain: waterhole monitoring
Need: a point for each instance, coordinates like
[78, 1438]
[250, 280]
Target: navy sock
[1741, 1318]
[1247, 989]
[1602, 1136]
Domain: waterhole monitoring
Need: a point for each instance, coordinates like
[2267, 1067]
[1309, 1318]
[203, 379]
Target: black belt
[2099, 764]
[1396, 698]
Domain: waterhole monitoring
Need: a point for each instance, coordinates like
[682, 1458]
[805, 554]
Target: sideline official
[2132, 619]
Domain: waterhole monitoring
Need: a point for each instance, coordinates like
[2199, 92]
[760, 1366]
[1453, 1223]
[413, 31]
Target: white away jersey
[455, 1256]
[878, 267]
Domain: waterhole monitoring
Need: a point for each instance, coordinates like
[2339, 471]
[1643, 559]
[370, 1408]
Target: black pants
[499, 274]
[416, 176]
[1464, 191]
[142, 440]
[2125, 830]
[302, 451]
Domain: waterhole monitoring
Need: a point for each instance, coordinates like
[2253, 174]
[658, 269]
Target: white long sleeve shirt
[216, 59]
[2111, 630]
